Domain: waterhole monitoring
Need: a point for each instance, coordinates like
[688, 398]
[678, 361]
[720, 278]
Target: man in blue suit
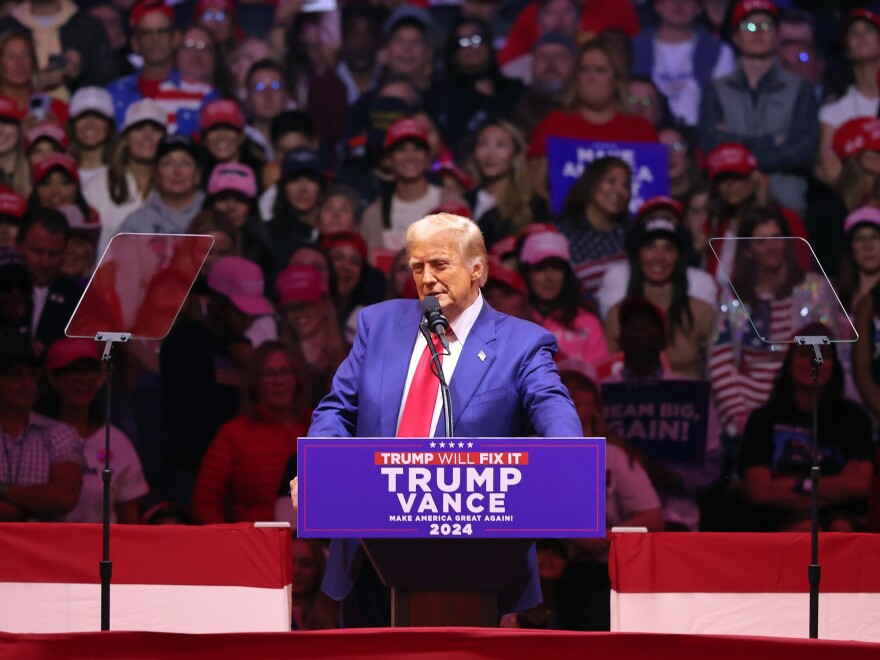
[502, 380]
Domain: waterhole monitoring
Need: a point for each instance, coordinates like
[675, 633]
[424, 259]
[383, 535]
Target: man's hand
[294, 495]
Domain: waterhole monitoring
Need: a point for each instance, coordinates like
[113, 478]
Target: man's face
[359, 44]
[559, 16]
[155, 39]
[801, 58]
[195, 57]
[552, 68]
[441, 270]
[18, 387]
[643, 101]
[177, 174]
[266, 95]
[756, 35]
[45, 254]
[407, 52]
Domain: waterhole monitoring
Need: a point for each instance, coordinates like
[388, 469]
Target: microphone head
[430, 305]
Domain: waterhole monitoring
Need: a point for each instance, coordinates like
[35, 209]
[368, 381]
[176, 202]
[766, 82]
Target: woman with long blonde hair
[15, 170]
[129, 176]
[503, 201]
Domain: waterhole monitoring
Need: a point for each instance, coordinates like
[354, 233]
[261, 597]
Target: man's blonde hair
[471, 245]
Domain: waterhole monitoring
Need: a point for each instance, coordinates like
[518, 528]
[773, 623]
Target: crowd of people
[307, 142]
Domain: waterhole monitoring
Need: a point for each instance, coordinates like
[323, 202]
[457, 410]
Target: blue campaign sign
[467, 487]
[666, 420]
[567, 158]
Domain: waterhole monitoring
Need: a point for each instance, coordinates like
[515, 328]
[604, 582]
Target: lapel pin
[482, 356]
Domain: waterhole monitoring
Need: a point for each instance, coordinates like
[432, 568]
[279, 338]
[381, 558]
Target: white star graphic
[460, 445]
[442, 444]
[432, 445]
[470, 445]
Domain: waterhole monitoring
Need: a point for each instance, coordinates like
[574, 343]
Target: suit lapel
[400, 338]
[471, 368]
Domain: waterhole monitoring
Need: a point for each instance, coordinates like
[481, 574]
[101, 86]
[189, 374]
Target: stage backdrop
[744, 584]
[166, 578]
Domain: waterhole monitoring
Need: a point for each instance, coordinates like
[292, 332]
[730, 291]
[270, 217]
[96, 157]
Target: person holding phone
[71, 46]
[18, 75]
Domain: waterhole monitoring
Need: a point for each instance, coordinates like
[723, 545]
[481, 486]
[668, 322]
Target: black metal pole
[814, 571]
[106, 566]
[437, 370]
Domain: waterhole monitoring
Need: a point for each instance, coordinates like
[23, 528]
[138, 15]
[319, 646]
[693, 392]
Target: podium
[448, 524]
[451, 582]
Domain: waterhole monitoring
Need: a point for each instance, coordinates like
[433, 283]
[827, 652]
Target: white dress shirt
[460, 328]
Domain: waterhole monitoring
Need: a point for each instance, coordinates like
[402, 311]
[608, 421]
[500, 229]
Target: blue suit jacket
[514, 392]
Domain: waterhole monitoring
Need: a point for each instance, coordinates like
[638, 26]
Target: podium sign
[451, 487]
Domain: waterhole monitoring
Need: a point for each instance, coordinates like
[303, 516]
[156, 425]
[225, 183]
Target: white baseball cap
[144, 110]
[92, 99]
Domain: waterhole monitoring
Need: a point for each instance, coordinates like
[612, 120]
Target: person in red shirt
[245, 461]
[594, 110]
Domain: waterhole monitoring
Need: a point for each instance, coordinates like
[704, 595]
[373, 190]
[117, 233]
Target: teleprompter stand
[136, 292]
[814, 570]
[812, 300]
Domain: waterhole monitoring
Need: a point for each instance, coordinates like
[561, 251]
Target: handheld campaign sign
[664, 419]
[567, 159]
[456, 487]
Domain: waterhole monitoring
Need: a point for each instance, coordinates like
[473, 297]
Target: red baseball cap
[504, 247]
[145, 7]
[859, 15]
[745, 7]
[300, 283]
[352, 238]
[405, 129]
[221, 112]
[856, 135]
[51, 162]
[498, 272]
[730, 158]
[9, 110]
[660, 202]
[46, 130]
[12, 204]
[67, 350]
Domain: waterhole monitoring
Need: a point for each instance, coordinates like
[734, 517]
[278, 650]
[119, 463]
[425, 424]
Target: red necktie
[418, 409]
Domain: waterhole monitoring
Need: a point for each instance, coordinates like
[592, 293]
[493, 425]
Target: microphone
[435, 319]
